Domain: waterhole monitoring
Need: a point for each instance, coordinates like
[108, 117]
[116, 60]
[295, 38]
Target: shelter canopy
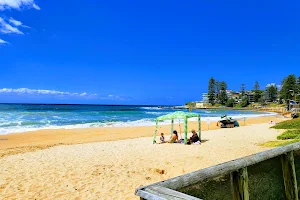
[177, 115]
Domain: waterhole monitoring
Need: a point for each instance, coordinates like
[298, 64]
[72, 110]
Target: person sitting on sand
[162, 138]
[194, 139]
[174, 137]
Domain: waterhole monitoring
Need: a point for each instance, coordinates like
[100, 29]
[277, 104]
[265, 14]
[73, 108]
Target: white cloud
[115, 97]
[7, 28]
[12, 25]
[15, 22]
[18, 4]
[26, 26]
[60, 94]
[28, 91]
[36, 7]
[3, 42]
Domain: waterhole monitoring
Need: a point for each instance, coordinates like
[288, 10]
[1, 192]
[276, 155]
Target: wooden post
[155, 133]
[289, 176]
[239, 184]
[172, 126]
[199, 127]
[185, 129]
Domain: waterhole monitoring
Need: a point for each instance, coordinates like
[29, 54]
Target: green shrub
[279, 143]
[230, 102]
[243, 103]
[290, 124]
[290, 134]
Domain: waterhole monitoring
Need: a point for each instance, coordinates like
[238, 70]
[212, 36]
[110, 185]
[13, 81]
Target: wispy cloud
[36, 7]
[15, 22]
[27, 91]
[11, 26]
[115, 97]
[7, 28]
[2, 42]
[18, 4]
[61, 94]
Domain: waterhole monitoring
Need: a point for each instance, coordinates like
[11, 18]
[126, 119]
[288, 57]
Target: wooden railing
[239, 177]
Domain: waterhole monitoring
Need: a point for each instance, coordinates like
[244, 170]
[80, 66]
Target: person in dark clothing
[194, 138]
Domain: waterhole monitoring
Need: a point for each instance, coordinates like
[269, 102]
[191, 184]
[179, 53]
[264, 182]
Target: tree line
[290, 90]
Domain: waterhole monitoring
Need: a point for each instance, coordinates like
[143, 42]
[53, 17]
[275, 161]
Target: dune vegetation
[289, 136]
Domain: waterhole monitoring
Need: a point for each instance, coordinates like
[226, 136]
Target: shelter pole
[154, 138]
[172, 126]
[185, 129]
[199, 127]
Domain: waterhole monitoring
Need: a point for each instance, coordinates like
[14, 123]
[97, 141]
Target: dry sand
[113, 169]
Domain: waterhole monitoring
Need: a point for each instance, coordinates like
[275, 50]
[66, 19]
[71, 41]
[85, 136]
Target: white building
[204, 97]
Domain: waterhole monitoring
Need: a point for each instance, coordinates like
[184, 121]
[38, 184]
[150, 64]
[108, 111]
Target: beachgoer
[162, 138]
[194, 138]
[174, 137]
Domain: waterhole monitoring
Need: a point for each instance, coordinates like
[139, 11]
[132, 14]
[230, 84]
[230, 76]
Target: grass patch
[290, 134]
[276, 105]
[289, 124]
[279, 143]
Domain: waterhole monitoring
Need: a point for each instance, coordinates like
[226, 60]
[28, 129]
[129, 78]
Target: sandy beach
[30, 141]
[113, 169]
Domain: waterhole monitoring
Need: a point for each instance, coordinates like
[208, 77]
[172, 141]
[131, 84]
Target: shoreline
[16, 143]
[144, 122]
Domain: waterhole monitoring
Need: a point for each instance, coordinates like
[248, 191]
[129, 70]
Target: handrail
[230, 167]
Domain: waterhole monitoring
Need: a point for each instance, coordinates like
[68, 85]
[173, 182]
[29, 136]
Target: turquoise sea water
[28, 117]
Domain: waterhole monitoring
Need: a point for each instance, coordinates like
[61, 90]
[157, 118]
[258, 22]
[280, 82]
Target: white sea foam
[141, 122]
[151, 108]
[156, 113]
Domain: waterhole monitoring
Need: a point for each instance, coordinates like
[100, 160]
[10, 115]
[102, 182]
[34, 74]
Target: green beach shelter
[178, 115]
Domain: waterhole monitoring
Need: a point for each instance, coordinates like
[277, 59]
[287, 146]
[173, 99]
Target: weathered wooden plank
[222, 169]
[239, 184]
[225, 168]
[289, 176]
[146, 195]
[167, 193]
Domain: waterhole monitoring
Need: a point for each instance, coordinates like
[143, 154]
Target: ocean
[29, 117]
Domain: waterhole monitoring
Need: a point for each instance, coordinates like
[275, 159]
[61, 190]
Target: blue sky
[142, 52]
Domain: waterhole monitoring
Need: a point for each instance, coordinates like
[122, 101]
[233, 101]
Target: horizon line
[88, 104]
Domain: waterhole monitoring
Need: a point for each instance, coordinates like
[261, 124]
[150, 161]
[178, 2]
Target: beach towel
[181, 141]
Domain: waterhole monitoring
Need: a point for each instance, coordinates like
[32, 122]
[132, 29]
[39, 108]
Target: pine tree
[256, 86]
[289, 85]
[272, 92]
[217, 90]
[211, 91]
[222, 98]
[257, 92]
[243, 90]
